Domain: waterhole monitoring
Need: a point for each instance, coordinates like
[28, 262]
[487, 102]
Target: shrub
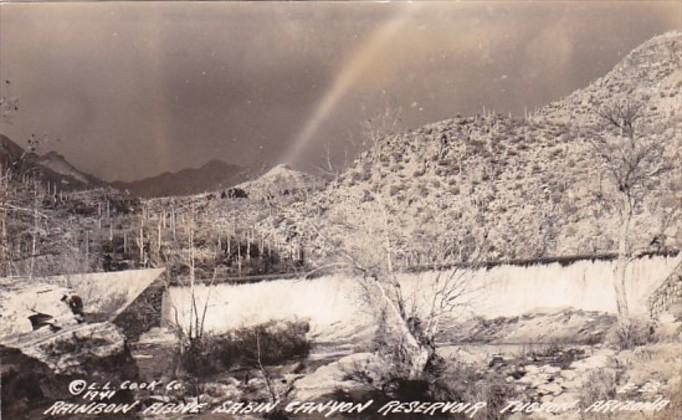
[278, 342]
[394, 189]
[463, 382]
[631, 332]
[270, 343]
[601, 384]
[672, 411]
[198, 358]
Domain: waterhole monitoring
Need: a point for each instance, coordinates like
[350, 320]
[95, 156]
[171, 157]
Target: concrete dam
[334, 306]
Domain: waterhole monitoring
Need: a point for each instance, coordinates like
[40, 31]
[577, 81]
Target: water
[334, 306]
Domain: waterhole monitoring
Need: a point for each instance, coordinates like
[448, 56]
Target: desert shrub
[394, 189]
[355, 177]
[464, 382]
[198, 357]
[601, 384]
[445, 162]
[278, 342]
[269, 343]
[668, 328]
[673, 410]
[629, 333]
[365, 174]
[366, 196]
[556, 152]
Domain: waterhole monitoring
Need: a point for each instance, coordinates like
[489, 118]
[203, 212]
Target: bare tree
[377, 128]
[366, 237]
[633, 161]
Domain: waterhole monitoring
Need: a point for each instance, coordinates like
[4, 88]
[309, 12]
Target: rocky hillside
[521, 187]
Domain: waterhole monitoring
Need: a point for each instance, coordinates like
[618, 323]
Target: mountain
[57, 163]
[531, 187]
[10, 152]
[50, 167]
[214, 175]
[281, 179]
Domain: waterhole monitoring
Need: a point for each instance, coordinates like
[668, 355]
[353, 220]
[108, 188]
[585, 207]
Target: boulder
[27, 384]
[28, 307]
[347, 374]
[91, 350]
[37, 373]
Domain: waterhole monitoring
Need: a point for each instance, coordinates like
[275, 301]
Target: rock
[531, 369]
[96, 351]
[550, 369]
[602, 358]
[551, 388]
[27, 384]
[291, 368]
[573, 384]
[568, 325]
[222, 391]
[28, 307]
[547, 399]
[568, 374]
[535, 380]
[567, 398]
[157, 335]
[39, 372]
[340, 375]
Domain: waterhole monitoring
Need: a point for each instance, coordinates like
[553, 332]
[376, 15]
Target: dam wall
[335, 307]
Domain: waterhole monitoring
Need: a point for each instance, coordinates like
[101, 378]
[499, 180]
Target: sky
[132, 89]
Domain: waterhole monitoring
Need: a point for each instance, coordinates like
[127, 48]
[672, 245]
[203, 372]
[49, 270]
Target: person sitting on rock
[75, 304]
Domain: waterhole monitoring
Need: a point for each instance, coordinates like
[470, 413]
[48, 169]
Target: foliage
[600, 384]
[630, 332]
[271, 343]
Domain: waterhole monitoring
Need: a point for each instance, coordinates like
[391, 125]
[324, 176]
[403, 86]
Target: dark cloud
[134, 89]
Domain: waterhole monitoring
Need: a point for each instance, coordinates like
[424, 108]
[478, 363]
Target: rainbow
[358, 63]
